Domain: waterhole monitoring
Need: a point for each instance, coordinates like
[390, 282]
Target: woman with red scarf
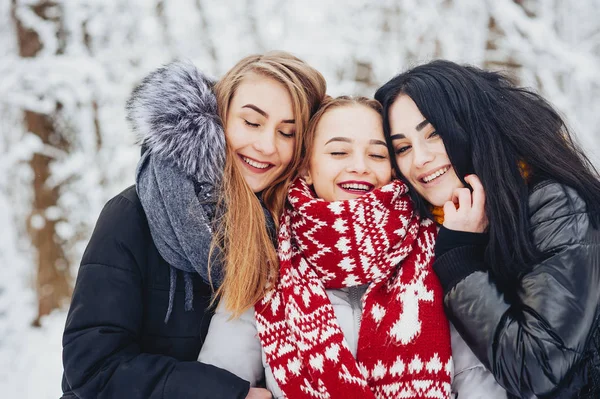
[356, 310]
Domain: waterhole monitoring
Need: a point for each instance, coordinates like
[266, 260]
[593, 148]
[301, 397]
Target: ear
[307, 177]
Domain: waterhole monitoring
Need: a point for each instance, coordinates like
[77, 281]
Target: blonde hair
[328, 104]
[249, 257]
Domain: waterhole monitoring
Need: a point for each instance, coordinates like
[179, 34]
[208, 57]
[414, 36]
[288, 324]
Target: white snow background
[107, 46]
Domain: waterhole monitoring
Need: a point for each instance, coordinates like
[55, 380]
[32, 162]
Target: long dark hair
[489, 126]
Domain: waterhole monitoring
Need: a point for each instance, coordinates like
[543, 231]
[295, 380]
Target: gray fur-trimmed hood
[173, 113]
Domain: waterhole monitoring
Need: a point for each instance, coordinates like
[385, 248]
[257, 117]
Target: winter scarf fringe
[404, 340]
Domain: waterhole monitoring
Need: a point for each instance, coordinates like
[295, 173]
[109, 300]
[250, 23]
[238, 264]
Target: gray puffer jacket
[545, 342]
[233, 344]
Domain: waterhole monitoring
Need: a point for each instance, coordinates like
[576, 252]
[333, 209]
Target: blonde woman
[215, 166]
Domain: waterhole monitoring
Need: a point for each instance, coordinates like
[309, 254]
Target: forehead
[404, 115]
[264, 92]
[354, 121]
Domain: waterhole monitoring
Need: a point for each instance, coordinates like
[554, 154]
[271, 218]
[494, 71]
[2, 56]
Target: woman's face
[261, 130]
[420, 153]
[349, 157]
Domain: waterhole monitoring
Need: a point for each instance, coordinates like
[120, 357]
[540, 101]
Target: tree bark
[508, 63]
[53, 279]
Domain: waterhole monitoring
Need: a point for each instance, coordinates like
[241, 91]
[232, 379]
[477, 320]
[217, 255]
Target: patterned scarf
[404, 339]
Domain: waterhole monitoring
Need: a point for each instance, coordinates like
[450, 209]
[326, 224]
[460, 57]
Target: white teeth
[432, 176]
[258, 165]
[356, 186]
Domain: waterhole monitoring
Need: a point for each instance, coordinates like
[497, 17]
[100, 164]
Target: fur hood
[173, 113]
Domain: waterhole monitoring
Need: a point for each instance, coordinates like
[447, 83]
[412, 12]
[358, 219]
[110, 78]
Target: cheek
[323, 174]
[384, 173]
[285, 148]
[236, 136]
[440, 149]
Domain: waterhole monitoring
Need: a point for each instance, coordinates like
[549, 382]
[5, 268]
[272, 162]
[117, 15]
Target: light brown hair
[249, 257]
[328, 104]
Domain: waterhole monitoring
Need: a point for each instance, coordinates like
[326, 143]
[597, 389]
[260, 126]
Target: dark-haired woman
[518, 252]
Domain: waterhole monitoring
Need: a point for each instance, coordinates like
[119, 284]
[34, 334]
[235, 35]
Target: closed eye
[251, 124]
[287, 135]
[378, 156]
[338, 153]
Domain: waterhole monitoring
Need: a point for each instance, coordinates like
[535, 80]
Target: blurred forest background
[67, 67]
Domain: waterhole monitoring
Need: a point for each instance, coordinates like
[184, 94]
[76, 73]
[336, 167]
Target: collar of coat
[173, 113]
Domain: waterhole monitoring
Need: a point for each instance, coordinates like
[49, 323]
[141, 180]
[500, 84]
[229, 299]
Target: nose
[265, 142]
[422, 155]
[358, 164]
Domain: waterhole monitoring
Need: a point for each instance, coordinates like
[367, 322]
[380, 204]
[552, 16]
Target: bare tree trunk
[53, 283]
[508, 62]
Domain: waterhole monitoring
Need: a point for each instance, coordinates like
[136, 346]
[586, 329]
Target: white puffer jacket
[234, 345]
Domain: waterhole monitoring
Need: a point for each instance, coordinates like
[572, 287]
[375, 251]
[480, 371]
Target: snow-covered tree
[68, 66]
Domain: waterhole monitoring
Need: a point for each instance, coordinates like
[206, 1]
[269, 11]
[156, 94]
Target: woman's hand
[466, 210]
[259, 393]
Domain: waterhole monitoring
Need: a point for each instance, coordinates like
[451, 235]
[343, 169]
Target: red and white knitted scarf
[404, 339]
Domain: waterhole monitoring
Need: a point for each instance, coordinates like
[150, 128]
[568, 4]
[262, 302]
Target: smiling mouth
[356, 188]
[435, 175]
[255, 165]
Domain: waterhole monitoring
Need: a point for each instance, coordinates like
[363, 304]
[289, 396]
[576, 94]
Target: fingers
[466, 210]
[462, 197]
[449, 208]
[478, 191]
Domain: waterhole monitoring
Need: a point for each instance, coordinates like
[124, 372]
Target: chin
[437, 204]
[256, 187]
[439, 198]
[434, 201]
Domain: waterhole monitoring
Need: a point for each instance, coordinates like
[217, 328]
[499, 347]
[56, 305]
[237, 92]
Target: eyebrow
[421, 125]
[263, 113]
[347, 140]
[418, 128]
[342, 139]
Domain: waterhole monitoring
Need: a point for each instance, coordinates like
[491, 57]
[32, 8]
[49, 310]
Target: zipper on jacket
[355, 297]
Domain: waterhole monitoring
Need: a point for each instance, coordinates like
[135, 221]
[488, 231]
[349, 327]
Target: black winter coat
[545, 343]
[116, 343]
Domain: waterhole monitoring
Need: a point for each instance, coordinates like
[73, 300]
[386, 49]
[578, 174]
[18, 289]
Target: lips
[255, 165]
[356, 187]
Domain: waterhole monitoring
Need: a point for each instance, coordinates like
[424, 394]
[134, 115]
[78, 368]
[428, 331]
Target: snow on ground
[30, 360]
